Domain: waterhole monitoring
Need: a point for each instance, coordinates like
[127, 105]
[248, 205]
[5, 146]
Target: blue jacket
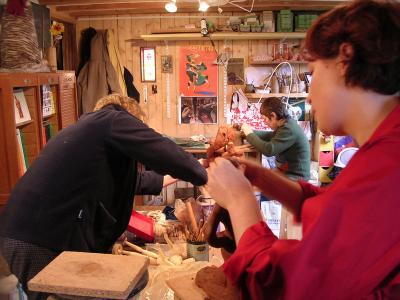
[78, 193]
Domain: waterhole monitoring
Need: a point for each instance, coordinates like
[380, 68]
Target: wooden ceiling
[73, 9]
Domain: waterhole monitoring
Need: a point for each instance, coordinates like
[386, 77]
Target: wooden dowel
[140, 250]
[195, 228]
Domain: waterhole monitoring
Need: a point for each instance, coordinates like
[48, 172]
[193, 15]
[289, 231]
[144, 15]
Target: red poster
[198, 75]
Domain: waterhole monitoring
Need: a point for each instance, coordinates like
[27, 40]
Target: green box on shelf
[303, 21]
[285, 21]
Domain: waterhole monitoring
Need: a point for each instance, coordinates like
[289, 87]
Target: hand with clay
[223, 240]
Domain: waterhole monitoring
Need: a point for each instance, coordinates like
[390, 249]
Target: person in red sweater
[351, 230]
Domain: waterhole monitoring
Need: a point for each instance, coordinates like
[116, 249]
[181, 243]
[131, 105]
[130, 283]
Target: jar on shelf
[274, 85]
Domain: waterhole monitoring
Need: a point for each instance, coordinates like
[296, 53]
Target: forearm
[148, 183]
[264, 147]
[264, 135]
[277, 186]
[167, 180]
[244, 214]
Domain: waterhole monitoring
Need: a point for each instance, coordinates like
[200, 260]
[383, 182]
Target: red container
[142, 226]
[326, 158]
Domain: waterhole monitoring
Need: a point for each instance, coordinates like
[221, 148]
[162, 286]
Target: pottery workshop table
[157, 287]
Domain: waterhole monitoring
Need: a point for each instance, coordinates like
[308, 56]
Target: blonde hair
[131, 105]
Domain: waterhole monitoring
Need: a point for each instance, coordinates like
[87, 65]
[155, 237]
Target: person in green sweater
[287, 142]
[290, 146]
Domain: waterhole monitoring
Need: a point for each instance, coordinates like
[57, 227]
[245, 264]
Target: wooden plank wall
[126, 27]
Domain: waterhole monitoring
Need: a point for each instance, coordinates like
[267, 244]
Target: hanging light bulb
[203, 6]
[171, 6]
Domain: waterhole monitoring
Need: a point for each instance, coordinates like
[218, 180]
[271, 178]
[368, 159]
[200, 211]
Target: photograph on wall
[203, 110]
[166, 63]
[235, 71]
[198, 75]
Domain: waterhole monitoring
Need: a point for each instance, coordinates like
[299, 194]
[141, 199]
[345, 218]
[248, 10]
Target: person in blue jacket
[79, 192]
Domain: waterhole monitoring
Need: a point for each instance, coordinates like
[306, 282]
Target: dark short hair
[372, 27]
[275, 105]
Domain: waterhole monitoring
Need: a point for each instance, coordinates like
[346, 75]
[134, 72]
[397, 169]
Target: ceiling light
[171, 6]
[203, 6]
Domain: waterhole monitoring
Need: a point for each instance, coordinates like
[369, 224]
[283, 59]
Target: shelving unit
[292, 95]
[217, 36]
[62, 85]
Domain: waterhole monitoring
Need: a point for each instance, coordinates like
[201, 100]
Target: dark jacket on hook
[84, 47]
[130, 87]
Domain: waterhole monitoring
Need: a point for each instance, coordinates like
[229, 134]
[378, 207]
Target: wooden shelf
[20, 124]
[229, 35]
[292, 95]
[271, 63]
[63, 85]
[48, 116]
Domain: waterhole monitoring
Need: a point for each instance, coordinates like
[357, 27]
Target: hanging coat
[115, 59]
[84, 47]
[98, 77]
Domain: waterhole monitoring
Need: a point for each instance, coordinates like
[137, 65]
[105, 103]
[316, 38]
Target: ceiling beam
[119, 6]
[153, 9]
[328, 3]
[72, 2]
[61, 16]
[88, 13]
[79, 8]
[258, 6]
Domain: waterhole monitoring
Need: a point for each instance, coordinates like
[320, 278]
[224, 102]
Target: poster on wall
[203, 110]
[198, 75]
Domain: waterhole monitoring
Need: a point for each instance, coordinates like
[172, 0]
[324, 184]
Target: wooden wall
[126, 27]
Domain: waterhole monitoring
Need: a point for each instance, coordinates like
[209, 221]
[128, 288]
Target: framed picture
[235, 71]
[201, 110]
[166, 63]
[148, 64]
[21, 109]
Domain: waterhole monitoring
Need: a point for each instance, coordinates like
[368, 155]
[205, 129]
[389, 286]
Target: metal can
[197, 250]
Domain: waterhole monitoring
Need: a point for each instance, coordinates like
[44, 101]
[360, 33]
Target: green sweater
[288, 144]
